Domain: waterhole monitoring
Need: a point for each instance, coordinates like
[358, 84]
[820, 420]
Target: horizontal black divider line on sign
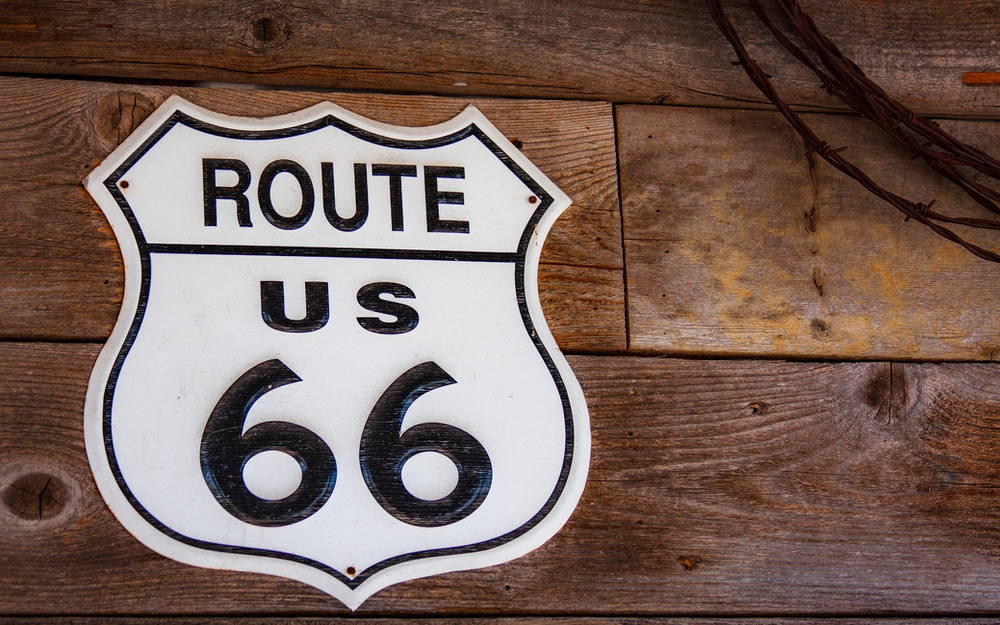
[332, 252]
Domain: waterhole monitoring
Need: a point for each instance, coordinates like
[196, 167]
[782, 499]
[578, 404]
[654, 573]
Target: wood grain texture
[738, 243]
[716, 487]
[600, 49]
[60, 270]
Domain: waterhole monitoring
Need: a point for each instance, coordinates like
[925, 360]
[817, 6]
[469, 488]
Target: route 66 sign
[331, 362]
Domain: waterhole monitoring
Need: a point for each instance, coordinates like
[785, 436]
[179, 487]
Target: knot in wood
[120, 112]
[35, 497]
[267, 31]
[888, 391]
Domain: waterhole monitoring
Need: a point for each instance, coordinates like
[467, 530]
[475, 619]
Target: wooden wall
[794, 401]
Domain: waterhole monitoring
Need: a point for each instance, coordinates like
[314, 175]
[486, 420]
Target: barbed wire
[841, 77]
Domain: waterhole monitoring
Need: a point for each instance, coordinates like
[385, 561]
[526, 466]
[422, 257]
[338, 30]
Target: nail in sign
[331, 362]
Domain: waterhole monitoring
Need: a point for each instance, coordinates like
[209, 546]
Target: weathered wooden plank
[738, 243]
[717, 487]
[60, 271]
[602, 49]
[61, 274]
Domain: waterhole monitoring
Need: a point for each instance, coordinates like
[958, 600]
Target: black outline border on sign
[519, 258]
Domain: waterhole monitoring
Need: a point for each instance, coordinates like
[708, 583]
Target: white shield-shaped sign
[331, 362]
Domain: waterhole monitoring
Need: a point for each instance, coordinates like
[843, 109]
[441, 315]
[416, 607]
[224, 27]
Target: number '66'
[384, 449]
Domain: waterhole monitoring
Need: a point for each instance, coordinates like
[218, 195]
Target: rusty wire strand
[841, 77]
